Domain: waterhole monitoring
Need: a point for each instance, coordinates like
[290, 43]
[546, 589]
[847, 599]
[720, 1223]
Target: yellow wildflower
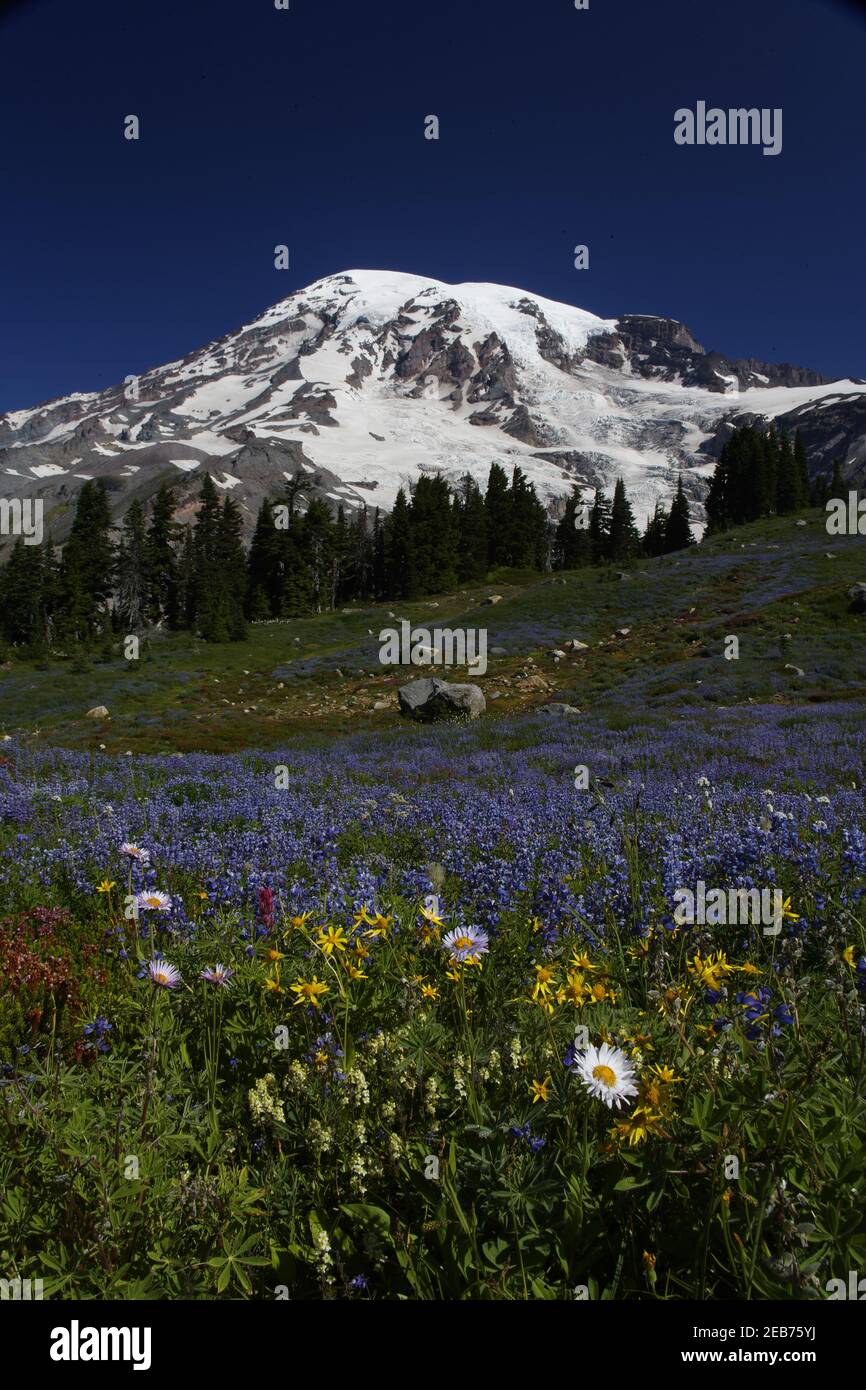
[309, 991]
[332, 939]
[540, 1090]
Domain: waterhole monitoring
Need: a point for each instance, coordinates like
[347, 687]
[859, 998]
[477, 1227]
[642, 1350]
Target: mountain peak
[368, 378]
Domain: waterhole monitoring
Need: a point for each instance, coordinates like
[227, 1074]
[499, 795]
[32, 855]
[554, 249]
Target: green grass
[770, 584]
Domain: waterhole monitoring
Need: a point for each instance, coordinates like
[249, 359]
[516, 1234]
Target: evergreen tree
[654, 536]
[265, 568]
[624, 540]
[317, 548]
[131, 570]
[339, 560]
[24, 597]
[187, 587]
[471, 522]
[220, 570]
[87, 569]
[599, 527]
[572, 547]
[161, 561]
[434, 535]
[360, 562]
[301, 485]
[228, 612]
[527, 525]
[401, 580]
[497, 509]
[379, 563]
[678, 531]
[214, 542]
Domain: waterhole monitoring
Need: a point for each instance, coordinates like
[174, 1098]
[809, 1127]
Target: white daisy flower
[141, 856]
[464, 942]
[217, 975]
[607, 1074]
[152, 900]
[163, 974]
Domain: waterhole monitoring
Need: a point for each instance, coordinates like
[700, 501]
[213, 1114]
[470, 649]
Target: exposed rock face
[857, 595]
[432, 699]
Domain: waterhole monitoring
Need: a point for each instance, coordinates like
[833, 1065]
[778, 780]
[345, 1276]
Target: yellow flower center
[605, 1075]
[463, 943]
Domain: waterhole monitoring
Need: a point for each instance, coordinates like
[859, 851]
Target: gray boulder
[558, 708]
[430, 698]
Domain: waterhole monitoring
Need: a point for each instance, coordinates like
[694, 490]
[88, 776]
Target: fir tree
[265, 568]
[131, 570]
[24, 597]
[471, 522]
[572, 547]
[434, 535]
[527, 525]
[399, 558]
[678, 531]
[599, 527]
[229, 611]
[497, 509]
[623, 540]
[161, 561]
[654, 535]
[87, 569]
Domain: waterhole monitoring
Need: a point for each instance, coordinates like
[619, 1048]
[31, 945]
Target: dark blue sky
[305, 127]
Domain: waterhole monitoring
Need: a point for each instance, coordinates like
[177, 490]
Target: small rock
[98, 712]
[558, 653]
[558, 708]
[491, 599]
[799, 523]
[795, 669]
[622, 632]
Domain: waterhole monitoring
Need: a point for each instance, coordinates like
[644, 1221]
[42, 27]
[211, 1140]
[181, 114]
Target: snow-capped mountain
[370, 378]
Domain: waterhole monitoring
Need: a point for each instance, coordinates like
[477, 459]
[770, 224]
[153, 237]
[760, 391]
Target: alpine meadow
[432, 823]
